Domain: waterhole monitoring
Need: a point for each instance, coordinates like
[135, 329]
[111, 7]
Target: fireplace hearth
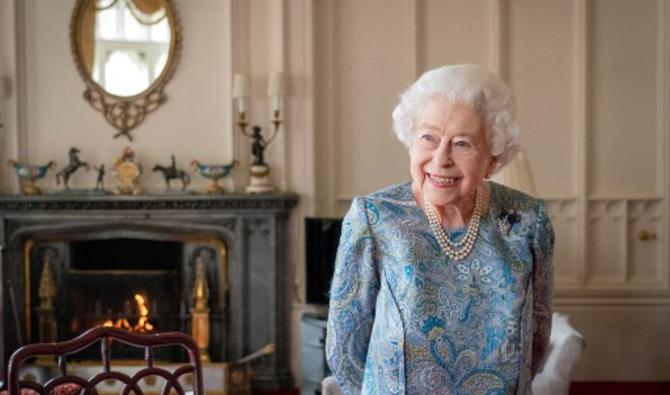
[216, 267]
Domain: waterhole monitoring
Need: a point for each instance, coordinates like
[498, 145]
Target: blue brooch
[507, 219]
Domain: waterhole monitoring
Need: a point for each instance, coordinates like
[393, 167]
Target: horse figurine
[74, 165]
[171, 173]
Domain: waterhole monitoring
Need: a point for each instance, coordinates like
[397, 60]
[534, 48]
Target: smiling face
[450, 155]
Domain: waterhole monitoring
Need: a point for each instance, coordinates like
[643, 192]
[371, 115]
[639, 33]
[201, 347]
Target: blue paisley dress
[404, 319]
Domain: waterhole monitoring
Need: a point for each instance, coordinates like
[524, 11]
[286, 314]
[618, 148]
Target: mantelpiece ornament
[200, 311]
[122, 112]
[48, 328]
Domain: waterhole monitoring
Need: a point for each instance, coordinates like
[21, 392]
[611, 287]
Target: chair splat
[106, 336]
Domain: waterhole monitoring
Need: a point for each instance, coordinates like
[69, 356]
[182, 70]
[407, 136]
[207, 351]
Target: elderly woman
[444, 285]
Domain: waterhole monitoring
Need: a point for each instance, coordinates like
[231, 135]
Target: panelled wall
[591, 78]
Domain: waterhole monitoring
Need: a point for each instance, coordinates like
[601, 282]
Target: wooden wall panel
[563, 216]
[373, 63]
[623, 90]
[646, 267]
[541, 69]
[607, 244]
[453, 31]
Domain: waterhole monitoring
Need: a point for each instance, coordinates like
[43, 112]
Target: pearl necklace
[455, 250]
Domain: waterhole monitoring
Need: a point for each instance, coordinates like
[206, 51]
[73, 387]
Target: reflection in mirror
[126, 50]
[126, 47]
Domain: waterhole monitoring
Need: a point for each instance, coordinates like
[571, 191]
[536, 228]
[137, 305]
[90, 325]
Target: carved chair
[69, 384]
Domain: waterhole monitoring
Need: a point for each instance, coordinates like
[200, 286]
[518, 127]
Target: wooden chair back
[105, 336]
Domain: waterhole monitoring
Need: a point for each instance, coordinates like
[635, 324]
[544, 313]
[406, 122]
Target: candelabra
[259, 171]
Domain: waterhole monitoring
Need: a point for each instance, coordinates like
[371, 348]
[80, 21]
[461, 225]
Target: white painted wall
[591, 78]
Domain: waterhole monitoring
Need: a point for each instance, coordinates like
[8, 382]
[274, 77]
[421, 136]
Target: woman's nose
[442, 155]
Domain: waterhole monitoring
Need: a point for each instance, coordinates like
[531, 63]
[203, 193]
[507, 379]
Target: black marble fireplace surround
[245, 238]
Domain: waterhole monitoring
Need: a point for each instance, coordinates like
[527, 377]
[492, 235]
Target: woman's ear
[491, 167]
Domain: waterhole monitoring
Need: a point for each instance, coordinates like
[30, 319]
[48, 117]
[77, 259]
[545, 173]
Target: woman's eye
[462, 144]
[427, 137]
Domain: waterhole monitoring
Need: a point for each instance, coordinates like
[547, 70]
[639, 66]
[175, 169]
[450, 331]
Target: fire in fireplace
[119, 281]
[143, 325]
[137, 284]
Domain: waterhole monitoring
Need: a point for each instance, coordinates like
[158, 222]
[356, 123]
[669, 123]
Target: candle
[240, 91]
[276, 89]
[240, 104]
[240, 86]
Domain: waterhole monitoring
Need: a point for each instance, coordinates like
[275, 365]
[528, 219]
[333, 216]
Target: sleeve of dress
[353, 296]
[543, 250]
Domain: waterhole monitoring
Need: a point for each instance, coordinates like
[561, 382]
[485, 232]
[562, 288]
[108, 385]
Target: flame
[143, 324]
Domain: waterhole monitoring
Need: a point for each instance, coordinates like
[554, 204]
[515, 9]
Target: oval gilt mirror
[126, 51]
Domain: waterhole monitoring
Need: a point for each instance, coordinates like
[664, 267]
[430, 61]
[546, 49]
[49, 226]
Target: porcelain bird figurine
[29, 174]
[214, 173]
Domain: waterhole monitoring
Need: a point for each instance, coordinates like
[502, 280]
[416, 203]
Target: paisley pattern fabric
[404, 319]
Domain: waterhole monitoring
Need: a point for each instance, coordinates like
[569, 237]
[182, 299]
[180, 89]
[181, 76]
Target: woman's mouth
[442, 182]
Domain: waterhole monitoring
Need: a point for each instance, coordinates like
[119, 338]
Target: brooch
[507, 219]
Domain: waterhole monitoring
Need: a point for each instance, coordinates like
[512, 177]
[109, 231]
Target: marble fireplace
[145, 263]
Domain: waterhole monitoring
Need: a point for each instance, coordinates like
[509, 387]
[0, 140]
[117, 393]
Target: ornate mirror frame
[126, 113]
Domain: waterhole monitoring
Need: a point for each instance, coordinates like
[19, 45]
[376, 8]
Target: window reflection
[131, 46]
[125, 73]
[158, 68]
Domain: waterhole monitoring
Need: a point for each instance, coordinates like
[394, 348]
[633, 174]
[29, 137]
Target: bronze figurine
[74, 165]
[171, 172]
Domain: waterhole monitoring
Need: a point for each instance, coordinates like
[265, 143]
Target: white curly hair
[472, 85]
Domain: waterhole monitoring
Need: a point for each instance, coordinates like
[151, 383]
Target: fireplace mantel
[254, 229]
[280, 202]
